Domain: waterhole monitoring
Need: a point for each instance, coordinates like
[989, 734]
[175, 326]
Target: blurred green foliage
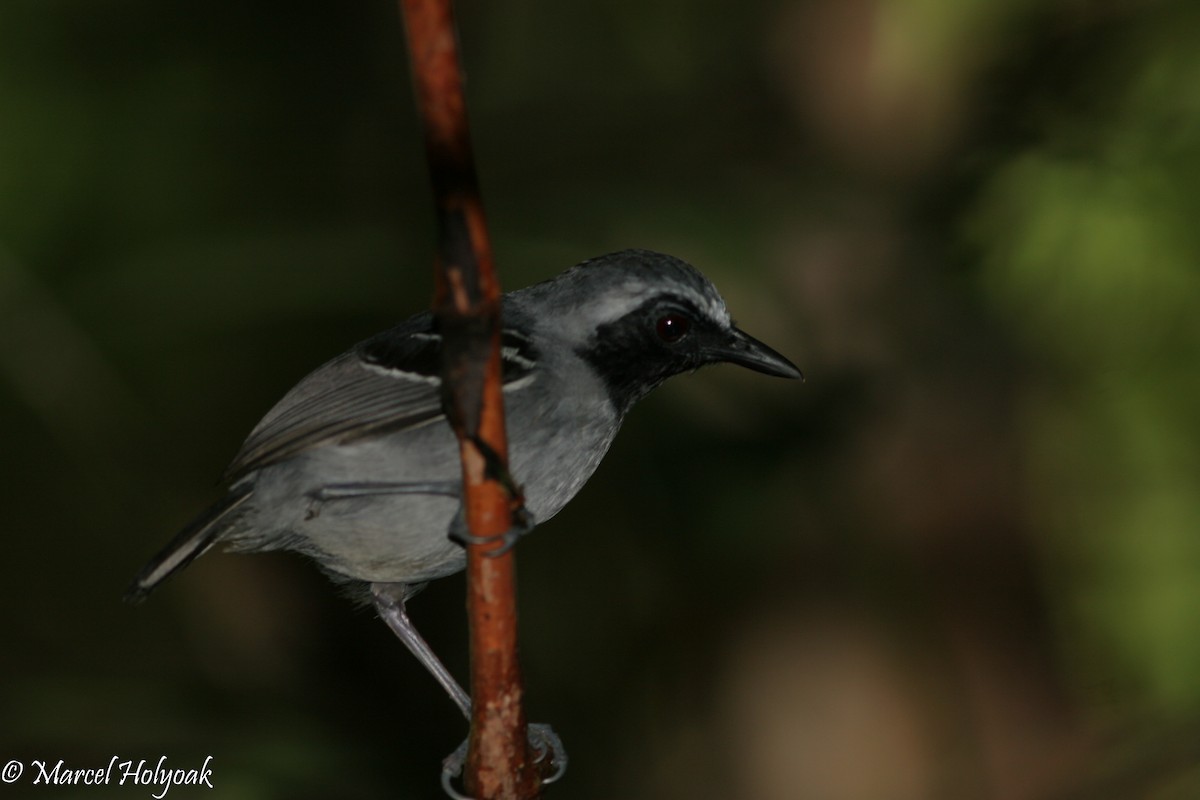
[1091, 250]
[962, 561]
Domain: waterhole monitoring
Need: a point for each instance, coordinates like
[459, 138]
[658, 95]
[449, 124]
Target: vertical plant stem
[467, 307]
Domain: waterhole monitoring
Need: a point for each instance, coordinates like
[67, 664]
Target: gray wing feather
[341, 401]
[385, 384]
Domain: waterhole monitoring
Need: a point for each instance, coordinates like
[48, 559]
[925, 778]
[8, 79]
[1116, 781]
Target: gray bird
[357, 468]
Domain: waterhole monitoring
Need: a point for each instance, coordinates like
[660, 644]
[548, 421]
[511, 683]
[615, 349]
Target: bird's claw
[548, 743]
[541, 737]
[452, 767]
[506, 539]
[522, 524]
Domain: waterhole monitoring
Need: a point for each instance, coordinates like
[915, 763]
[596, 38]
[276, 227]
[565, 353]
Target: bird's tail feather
[189, 544]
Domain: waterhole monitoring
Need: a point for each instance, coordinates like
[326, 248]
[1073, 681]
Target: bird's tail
[189, 544]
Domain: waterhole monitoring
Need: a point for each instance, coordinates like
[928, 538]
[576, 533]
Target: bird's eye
[672, 327]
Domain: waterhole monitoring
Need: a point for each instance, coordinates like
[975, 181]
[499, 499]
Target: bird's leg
[389, 601]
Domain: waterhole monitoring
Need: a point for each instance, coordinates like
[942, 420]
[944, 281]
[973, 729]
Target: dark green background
[961, 561]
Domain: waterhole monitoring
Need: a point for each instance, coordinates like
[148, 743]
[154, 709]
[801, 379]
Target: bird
[357, 467]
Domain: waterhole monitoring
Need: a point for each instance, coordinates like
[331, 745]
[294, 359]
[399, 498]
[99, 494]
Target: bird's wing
[385, 384]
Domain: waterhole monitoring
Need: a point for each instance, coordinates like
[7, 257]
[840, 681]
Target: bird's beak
[740, 348]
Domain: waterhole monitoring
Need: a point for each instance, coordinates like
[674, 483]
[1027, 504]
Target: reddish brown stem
[467, 306]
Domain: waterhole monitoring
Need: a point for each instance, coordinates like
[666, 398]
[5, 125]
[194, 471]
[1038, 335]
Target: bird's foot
[549, 758]
[547, 745]
[452, 768]
[522, 524]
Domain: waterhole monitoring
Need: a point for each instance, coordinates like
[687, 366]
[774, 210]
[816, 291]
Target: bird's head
[639, 317]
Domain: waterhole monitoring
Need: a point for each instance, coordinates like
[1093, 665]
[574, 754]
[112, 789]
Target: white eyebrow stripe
[617, 304]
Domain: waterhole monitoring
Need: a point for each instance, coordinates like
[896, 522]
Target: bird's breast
[553, 453]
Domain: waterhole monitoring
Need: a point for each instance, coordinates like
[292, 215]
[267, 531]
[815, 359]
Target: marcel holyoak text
[155, 776]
